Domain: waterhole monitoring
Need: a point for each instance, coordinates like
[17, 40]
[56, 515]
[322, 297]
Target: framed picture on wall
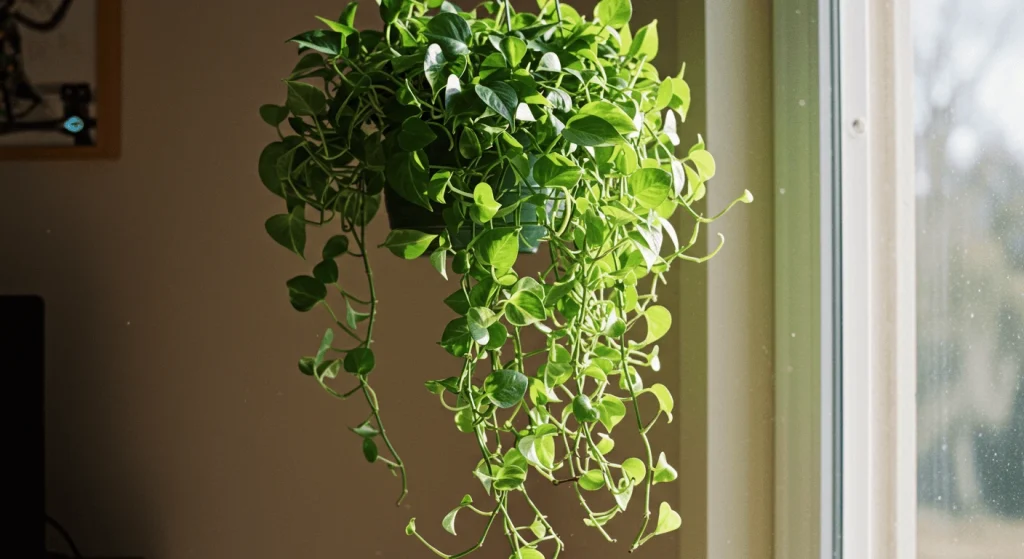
[60, 79]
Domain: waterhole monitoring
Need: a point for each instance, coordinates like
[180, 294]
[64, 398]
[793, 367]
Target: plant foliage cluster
[513, 130]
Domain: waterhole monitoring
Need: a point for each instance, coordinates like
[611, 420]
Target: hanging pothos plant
[490, 133]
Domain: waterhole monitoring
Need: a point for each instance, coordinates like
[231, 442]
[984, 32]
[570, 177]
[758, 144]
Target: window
[969, 197]
[916, 289]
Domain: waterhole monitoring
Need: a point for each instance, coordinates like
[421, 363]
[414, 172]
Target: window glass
[969, 96]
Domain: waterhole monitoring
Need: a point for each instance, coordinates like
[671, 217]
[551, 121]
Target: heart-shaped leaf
[305, 292]
[663, 471]
[360, 361]
[408, 243]
[506, 387]
[668, 520]
[583, 409]
[289, 230]
[500, 98]
[484, 206]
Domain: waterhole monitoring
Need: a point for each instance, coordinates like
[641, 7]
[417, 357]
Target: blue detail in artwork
[74, 125]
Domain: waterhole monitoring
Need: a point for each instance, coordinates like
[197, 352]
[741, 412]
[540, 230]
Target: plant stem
[371, 397]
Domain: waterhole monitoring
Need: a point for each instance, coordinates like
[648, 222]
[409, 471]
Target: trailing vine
[488, 136]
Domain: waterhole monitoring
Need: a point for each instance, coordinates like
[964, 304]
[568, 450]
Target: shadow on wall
[47, 256]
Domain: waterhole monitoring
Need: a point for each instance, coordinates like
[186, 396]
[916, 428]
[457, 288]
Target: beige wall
[178, 425]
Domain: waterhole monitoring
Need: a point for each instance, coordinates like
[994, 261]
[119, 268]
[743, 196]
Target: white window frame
[850, 62]
[878, 281]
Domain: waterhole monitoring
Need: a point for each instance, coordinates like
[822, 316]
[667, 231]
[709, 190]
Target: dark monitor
[22, 370]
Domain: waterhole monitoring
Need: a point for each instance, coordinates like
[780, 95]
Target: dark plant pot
[403, 214]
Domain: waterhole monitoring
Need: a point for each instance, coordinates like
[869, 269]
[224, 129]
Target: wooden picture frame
[104, 109]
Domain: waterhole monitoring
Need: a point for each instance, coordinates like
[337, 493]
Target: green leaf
[348, 15]
[614, 13]
[525, 308]
[663, 471]
[469, 144]
[651, 186]
[268, 167]
[480, 320]
[499, 247]
[448, 522]
[537, 528]
[549, 63]
[370, 450]
[450, 25]
[306, 366]
[668, 520]
[458, 302]
[338, 26]
[555, 292]
[273, 114]
[410, 528]
[665, 400]
[452, 88]
[484, 206]
[408, 243]
[327, 42]
[305, 99]
[610, 412]
[500, 98]
[591, 131]
[592, 480]
[328, 369]
[509, 478]
[307, 63]
[434, 67]
[634, 469]
[352, 316]
[497, 336]
[556, 169]
[559, 100]
[704, 162]
[289, 230]
[305, 292]
[326, 271]
[506, 387]
[438, 259]
[514, 50]
[528, 553]
[416, 134]
[538, 450]
[456, 338]
[606, 444]
[610, 113]
[464, 421]
[365, 430]
[451, 384]
[659, 320]
[515, 458]
[624, 495]
[335, 247]
[583, 409]
[438, 185]
[407, 175]
[325, 346]
[645, 43]
[360, 361]
[390, 10]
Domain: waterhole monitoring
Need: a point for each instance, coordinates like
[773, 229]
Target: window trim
[844, 488]
[802, 109]
[878, 335]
